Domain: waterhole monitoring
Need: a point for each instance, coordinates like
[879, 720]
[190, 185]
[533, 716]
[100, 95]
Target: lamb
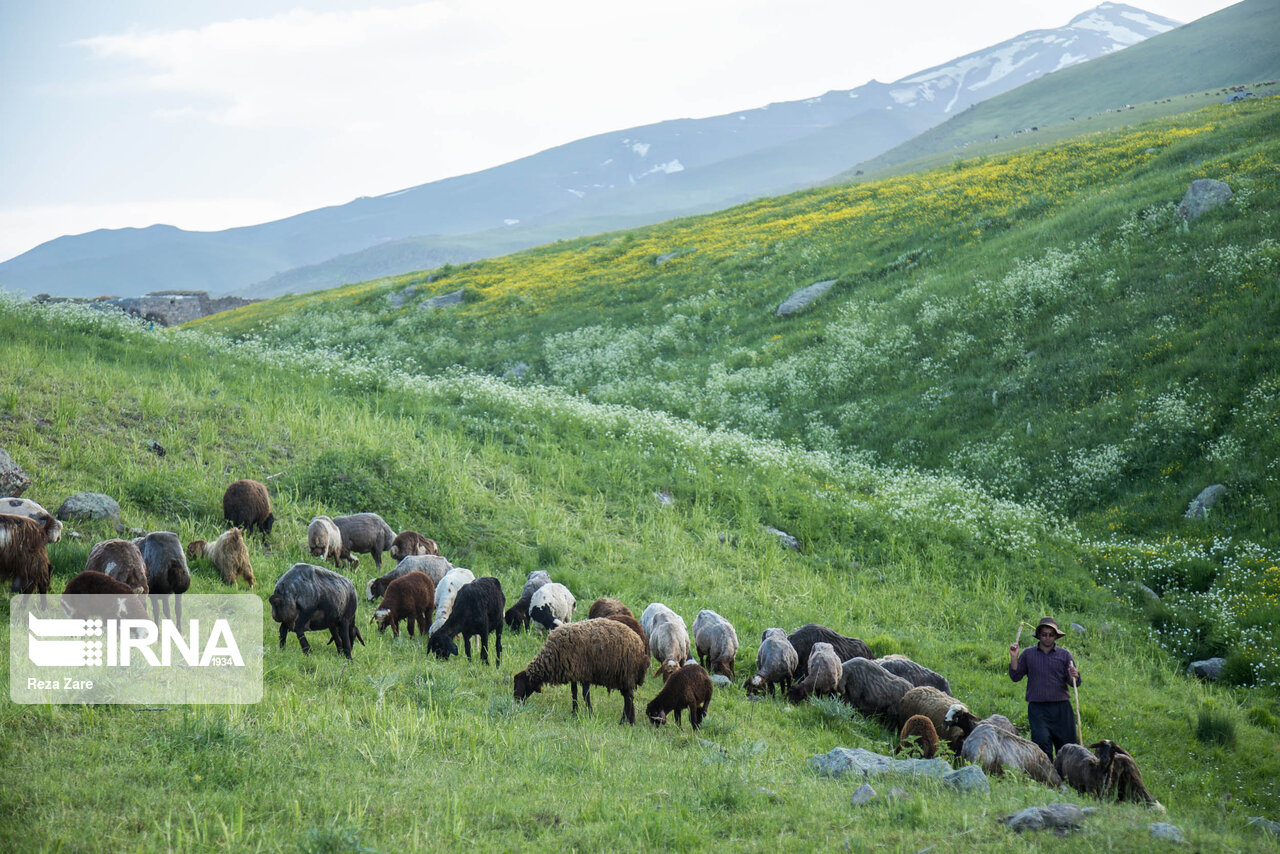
[996, 749]
[688, 688]
[324, 541]
[916, 674]
[822, 678]
[446, 590]
[517, 616]
[592, 652]
[668, 638]
[167, 571]
[311, 598]
[433, 566]
[410, 597]
[936, 706]
[228, 554]
[127, 606]
[872, 690]
[1104, 770]
[807, 635]
[551, 605]
[605, 606]
[31, 510]
[716, 642]
[366, 533]
[918, 736]
[246, 504]
[776, 662]
[24, 558]
[121, 560]
[477, 610]
[409, 543]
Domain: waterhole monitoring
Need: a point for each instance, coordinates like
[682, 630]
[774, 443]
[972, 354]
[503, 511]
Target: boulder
[863, 794]
[1202, 196]
[451, 298]
[1200, 505]
[1209, 669]
[859, 761]
[721, 681]
[1266, 825]
[1057, 817]
[664, 258]
[804, 297]
[90, 506]
[13, 480]
[787, 541]
[1167, 832]
[970, 778]
[664, 498]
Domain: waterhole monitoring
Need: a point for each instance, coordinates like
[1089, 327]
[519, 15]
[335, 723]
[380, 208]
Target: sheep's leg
[586, 696]
[395, 628]
[177, 608]
[466, 644]
[484, 648]
[679, 712]
[497, 642]
[573, 692]
[300, 629]
[377, 560]
[284, 633]
[344, 630]
[408, 624]
[628, 707]
[695, 716]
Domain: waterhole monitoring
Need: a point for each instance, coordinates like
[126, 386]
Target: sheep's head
[197, 548]
[515, 617]
[959, 716]
[668, 667]
[798, 693]
[268, 523]
[525, 685]
[658, 717]
[442, 646]
[382, 618]
[282, 611]
[755, 685]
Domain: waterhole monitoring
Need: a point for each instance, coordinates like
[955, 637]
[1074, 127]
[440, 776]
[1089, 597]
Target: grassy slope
[402, 751]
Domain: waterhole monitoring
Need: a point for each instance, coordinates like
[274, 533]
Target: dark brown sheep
[605, 606]
[918, 737]
[1104, 770]
[593, 652]
[127, 605]
[409, 543]
[936, 706]
[688, 688]
[916, 674]
[23, 557]
[630, 622]
[411, 597]
[871, 689]
[121, 560]
[246, 504]
[807, 635]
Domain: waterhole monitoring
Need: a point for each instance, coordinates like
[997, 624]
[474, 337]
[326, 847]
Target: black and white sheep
[517, 616]
[411, 598]
[432, 566]
[776, 663]
[121, 560]
[477, 610]
[127, 605]
[600, 652]
[551, 605]
[247, 504]
[918, 737]
[446, 591]
[807, 635]
[668, 638]
[24, 558]
[310, 598]
[688, 688]
[410, 543]
[872, 690]
[366, 533]
[916, 674]
[822, 678]
[31, 510]
[607, 605]
[324, 541]
[997, 750]
[716, 642]
[1104, 770]
[936, 706]
[167, 571]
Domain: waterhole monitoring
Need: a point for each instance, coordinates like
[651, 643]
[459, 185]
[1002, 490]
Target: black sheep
[688, 688]
[807, 635]
[309, 598]
[477, 610]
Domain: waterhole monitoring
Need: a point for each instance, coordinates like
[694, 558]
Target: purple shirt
[1046, 672]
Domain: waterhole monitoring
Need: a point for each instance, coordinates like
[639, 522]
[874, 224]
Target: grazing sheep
[688, 688]
[919, 737]
[776, 663]
[630, 622]
[807, 635]
[872, 690]
[24, 559]
[477, 610]
[31, 510]
[365, 533]
[309, 598]
[996, 749]
[934, 705]
[592, 652]
[668, 638]
[716, 642]
[167, 571]
[432, 566]
[916, 674]
[1001, 722]
[823, 677]
[229, 555]
[246, 504]
[1104, 770]
[121, 560]
[446, 590]
[605, 606]
[411, 597]
[551, 605]
[517, 616]
[324, 541]
[409, 543]
[127, 605]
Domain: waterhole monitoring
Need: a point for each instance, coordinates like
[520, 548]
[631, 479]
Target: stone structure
[167, 308]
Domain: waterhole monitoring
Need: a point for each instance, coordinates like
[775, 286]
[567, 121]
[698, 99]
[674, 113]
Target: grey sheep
[366, 533]
[517, 616]
[776, 663]
[916, 674]
[121, 560]
[716, 642]
[997, 750]
[591, 652]
[167, 571]
[433, 566]
[477, 611]
[324, 541]
[807, 635]
[668, 638]
[872, 690]
[310, 598]
[822, 678]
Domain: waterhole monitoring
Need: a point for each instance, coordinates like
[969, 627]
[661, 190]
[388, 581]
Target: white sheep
[668, 637]
[446, 592]
[716, 642]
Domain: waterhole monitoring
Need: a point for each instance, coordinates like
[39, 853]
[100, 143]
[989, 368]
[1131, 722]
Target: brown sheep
[121, 560]
[246, 504]
[630, 622]
[23, 556]
[411, 597]
[934, 705]
[871, 689]
[1104, 770]
[605, 606]
[128, 605]
[229, 555]
[593, 652]
[918, 737]
[409, 543]
[688, 688]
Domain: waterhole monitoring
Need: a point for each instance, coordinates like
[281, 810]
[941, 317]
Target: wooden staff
[1079, 728]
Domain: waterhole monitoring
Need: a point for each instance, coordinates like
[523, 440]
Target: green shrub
[1215, 727]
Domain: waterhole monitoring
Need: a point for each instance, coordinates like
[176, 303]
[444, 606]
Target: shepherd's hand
[1073, 673]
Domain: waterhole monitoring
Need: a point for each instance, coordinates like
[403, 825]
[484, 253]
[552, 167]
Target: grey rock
[13, 480]
[861, 762]
[1202, 503]
[1077, 628]
[1209, 669]
[1146, 592]
[721, 681]
[451, 298]
[769, 793]
[155, 447]
[970, 778]
[664, 498]
[788, 541]
[897, 793]
[804, 297]
[1266, 825]
[1059, 817]
[93, 506]
[1164, 830]
[662, 259]
[516, 371]
[1202, 196]
[863, 794]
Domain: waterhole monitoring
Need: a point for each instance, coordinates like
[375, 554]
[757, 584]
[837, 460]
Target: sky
[211, 114]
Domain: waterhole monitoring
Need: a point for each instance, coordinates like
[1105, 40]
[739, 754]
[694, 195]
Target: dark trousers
[1052, 725]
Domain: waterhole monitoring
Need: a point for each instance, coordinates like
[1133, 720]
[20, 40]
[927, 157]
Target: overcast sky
[209, 114]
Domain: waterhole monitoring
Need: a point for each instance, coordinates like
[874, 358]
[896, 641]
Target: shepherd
[1050, 672]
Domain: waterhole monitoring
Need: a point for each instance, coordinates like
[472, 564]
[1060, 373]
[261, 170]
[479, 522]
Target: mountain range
[608, 181]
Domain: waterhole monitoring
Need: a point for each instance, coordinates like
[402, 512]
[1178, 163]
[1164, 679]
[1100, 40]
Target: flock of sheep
[610, 649]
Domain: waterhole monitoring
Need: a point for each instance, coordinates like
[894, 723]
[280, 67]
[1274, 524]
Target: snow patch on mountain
[671, 167]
